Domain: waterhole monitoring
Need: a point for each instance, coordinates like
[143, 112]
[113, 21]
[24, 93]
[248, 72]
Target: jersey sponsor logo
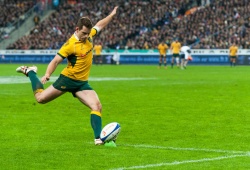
[83, 55]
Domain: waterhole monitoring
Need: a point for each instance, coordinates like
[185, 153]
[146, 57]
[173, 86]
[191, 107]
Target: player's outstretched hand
[114, 11]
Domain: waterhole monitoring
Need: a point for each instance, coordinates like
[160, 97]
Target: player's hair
[84, 21]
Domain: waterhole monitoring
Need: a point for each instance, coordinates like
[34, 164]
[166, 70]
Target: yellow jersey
[176, 47]
[162, 49]
[233, 50]
[98, 49]
[79, 55]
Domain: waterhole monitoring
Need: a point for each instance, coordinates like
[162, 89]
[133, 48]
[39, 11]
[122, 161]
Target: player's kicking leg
[42, 95]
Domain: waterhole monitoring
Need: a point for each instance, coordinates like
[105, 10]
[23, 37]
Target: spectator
[36, 19]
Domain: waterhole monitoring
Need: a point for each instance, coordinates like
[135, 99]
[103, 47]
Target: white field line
[24, 79]
[187, 149]
[180, 162]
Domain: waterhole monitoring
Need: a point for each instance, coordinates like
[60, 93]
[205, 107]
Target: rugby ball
[110, 132]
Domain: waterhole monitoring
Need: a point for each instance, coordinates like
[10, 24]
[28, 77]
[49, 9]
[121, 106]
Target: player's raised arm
[105, 21]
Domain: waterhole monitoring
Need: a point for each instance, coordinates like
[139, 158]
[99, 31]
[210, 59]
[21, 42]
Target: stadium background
[171, 119]
[209, 26]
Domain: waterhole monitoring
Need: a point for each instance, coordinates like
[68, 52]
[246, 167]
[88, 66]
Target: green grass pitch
[198, 118]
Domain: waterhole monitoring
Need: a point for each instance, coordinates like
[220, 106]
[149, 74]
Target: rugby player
[78, 50]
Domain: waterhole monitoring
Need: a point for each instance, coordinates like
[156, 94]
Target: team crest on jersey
[63, 87]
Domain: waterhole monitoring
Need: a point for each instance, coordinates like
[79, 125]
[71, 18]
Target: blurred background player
[98, 53]
[116, 58]
[233, 54]
[185, 56]
[175, 48]
[162, 47]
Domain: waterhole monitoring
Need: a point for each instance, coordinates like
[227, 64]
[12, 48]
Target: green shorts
[232, 56]
[67, 84]
[176, 55]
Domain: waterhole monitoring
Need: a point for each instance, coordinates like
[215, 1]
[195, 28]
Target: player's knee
[97, 106]
[40, 100]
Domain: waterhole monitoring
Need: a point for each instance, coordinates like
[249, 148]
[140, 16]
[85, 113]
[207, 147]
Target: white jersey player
[116, 58]
[185, 56]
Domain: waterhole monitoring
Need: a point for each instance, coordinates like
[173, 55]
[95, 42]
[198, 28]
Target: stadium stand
[13, 14]
[206, 24]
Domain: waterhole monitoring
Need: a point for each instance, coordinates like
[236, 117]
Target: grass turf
[196, 118]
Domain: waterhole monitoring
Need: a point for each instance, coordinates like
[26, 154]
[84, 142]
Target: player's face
[83, 33]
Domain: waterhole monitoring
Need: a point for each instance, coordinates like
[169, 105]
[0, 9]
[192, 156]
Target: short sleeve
[65, 50]
[94, 31]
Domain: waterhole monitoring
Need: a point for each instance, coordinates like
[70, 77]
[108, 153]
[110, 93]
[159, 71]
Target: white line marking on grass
[236, 154]
[180, 162]
[118, 78]
[186, 149]
[19, 79]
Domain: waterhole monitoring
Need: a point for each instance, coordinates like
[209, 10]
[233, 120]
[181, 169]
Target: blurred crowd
[143, 24]
[12, 10]
[218, 25]
[13, 14]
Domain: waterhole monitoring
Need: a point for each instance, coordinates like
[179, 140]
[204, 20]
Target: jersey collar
[76, 36]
